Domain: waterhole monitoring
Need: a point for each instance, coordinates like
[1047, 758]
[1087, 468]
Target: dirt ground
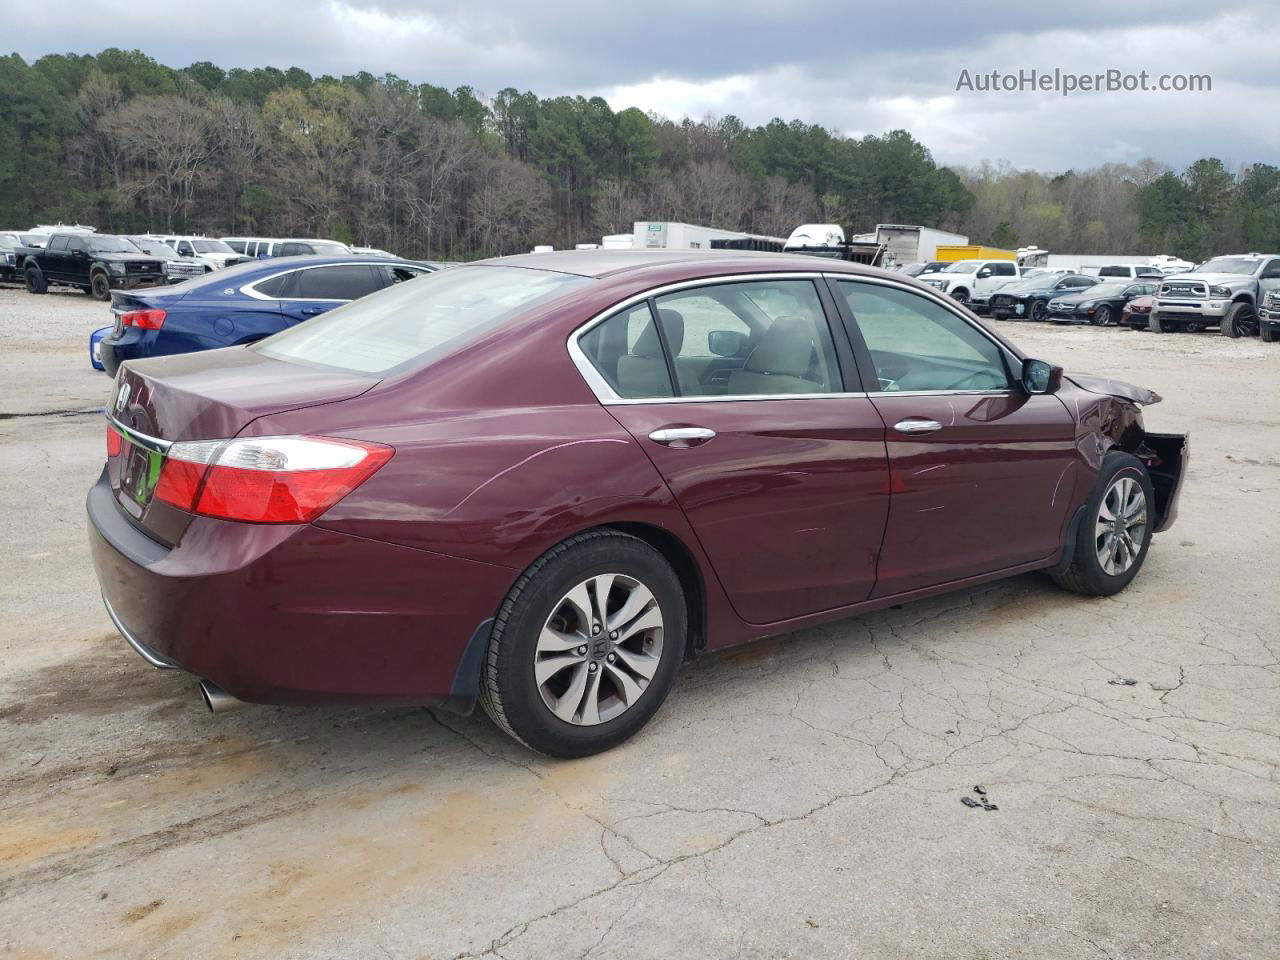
[798, 798]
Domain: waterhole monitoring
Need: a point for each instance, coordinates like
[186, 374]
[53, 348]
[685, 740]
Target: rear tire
[603, 696]
[34, 277]
[1269, 335]
[100, 286]
[1115, 530]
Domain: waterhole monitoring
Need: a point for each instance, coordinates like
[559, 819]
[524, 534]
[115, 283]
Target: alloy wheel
[1121, 526]
[599, 649]
[1039, 310]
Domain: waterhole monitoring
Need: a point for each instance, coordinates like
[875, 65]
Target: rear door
[752, 413]
[315, 290]
[982, 473]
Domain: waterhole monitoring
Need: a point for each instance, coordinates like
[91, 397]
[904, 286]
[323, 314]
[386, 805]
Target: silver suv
[1224, 292]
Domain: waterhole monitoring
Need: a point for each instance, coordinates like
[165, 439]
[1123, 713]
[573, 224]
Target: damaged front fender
[1114, 388]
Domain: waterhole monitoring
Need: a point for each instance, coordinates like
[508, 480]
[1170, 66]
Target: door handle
[917, 425]
[682, 436]
[311, 311]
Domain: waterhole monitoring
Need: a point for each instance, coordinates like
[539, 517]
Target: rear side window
[1004, 269]
[1114, 272]
[764, 338]
[628, 353]
[337, 283]
[295, 250]
[280, 286]
[412, 323]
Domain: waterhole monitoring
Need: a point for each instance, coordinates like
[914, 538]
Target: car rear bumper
[296, 614]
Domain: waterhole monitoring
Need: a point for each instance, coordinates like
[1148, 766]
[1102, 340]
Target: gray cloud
[858, 69]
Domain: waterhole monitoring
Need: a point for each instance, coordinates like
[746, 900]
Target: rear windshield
[407, 321]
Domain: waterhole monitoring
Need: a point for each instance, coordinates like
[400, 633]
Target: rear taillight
[266, 479]
[150, 319]
[113, 443]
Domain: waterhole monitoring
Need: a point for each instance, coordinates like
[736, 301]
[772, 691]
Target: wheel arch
[676, 553]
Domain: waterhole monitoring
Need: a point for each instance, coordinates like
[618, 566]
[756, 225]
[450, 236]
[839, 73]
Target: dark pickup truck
[96, 264]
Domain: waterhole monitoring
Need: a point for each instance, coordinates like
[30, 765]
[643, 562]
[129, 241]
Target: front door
[982, 473]
[736, 394]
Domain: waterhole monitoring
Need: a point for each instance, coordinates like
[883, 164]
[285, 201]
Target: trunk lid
[211, 395]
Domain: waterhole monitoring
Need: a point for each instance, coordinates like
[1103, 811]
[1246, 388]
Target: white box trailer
[669, 235]
[1091, 263]
[911, 243]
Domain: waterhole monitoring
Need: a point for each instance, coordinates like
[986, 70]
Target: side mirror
[726, 343]
[984, 273]
[1040, 376]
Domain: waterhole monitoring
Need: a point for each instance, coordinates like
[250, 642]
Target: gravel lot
[798, 798]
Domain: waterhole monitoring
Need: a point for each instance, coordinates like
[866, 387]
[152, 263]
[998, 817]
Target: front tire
[1238, 321]
[34, 277]
[1115, 530]
[586, 646]
[1103, 317]
[1040, 310]
[100, 287]
[961, 296]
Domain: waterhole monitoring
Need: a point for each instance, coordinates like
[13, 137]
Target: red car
[542, 482]
[1136, 314]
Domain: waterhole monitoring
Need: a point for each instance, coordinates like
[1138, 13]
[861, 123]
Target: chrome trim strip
[608, 397]
[159, 661]
[729, 398]
[138, 438]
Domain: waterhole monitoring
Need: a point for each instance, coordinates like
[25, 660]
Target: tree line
[130, 145]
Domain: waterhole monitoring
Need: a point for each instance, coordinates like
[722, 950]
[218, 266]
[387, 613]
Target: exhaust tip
[217, 699]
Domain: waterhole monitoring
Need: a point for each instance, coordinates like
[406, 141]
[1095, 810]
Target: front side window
[918, 344]
[58, 243]
[410, 323]
[337, 283]
[236, 245]
[184, 249]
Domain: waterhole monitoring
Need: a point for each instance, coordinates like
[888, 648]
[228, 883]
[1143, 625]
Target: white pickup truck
[972, 281]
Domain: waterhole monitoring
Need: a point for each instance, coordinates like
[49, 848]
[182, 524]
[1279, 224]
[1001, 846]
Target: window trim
[608, 397]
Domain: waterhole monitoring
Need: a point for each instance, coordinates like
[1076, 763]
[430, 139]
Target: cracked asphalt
[795, 798]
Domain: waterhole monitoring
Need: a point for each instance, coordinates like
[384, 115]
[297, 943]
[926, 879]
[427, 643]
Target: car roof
[609, 263]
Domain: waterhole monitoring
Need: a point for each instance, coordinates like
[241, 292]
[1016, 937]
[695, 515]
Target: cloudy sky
[854, 67]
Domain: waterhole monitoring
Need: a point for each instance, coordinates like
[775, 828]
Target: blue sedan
[240, 304]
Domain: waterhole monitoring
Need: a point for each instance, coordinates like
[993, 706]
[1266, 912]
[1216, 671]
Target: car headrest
[786, 348]
[648, 344]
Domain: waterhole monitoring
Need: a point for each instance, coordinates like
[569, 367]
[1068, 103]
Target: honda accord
[540, 483]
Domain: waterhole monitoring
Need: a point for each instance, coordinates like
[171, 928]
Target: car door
[1269, 279]
[992, 274]
[75, 263]
[981, 471]
[751, 411]
[52, 260]
[318, 289]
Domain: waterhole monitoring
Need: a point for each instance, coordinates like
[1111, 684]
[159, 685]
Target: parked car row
[1238, 294]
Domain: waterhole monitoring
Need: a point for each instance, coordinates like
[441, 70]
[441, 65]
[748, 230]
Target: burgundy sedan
[542, 482]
